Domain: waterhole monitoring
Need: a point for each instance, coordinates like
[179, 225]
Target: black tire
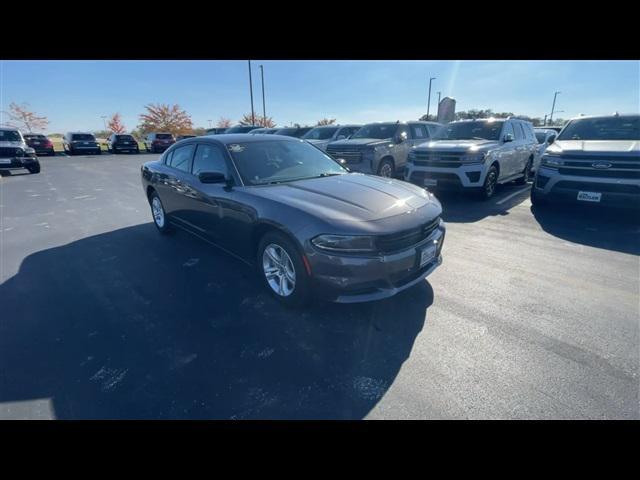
[99, 152]
[536, 201]
[490, 183]
[386, 169]
[301, 294]
[165, 226]
[526, 174]
[34, 168]
[137, 151]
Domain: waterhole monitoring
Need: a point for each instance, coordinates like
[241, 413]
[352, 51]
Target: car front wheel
[490, 184]
[34, 168]
[282, 270]
[526, 174]
[385, 169]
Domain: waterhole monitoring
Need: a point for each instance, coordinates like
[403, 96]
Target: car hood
[12, 144]
[355, 197]
[458, 145]
[595, 146]
[360, 142]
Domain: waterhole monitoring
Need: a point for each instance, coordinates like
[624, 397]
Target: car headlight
[345, 243]
[29, 151]
[472, 158]
[552, 161]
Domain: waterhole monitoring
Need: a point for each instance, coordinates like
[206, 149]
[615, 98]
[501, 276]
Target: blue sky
[74, 94]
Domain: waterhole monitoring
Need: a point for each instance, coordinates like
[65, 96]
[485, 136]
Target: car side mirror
[401, 137]
[552, 139]
[212, 177]
[508, 138]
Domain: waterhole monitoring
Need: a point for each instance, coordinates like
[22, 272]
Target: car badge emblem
[601, 165]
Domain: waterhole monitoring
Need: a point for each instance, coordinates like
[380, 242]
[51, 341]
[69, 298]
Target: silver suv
[15, 153]
[382, 148]
[475, 155]
[593, 160]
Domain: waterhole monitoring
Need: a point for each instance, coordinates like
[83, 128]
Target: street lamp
[253, 116]
[264, 109]
[209, 123]
[104, 122]
[553, 107]
[429, 100]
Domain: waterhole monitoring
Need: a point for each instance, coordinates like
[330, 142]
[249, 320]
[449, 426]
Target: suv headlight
[345, 243]
[30, 152]
[552, 161]
[472, 158]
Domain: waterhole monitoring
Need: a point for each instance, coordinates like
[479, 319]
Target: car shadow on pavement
[132, 324]
[467, 207]
[595, 226]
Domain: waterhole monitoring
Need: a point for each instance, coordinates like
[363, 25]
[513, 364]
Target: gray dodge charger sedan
[309, 225]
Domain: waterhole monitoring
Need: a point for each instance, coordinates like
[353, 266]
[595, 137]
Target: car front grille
[598, 187]
[350, 156]
[622, 167]
[407, 238]
[10, 152]
[437, 159]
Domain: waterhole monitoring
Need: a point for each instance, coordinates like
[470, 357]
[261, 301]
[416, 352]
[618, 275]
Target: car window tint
[181, 158]
[418, 131]
[209, 158]
[508, 129]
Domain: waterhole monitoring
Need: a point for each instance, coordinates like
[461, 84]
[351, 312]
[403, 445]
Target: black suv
[158, 142]
[122, 142]
[80, 142]
[296, 132]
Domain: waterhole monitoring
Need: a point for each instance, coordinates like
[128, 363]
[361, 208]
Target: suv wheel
[159, 216]
[490, 183]
[526, 175]
[385, 169]
[282, 270]
[34, 168]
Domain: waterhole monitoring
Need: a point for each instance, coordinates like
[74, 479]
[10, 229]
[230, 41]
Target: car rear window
[127, 138]
[163, 136]
[86, 137]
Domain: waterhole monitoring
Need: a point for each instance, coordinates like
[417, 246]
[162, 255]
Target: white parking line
[509, 197]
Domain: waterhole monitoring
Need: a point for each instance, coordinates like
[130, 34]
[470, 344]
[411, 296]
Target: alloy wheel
[278, 269]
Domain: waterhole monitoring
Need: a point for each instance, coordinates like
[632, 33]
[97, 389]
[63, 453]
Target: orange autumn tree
[224, 122]
[115, 124]
[165, 118]
[24, 119]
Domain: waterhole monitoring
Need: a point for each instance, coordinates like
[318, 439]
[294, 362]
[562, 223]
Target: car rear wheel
[34, 168]
[526, 175]
[385, 169]
[282, 270]
[159, 216]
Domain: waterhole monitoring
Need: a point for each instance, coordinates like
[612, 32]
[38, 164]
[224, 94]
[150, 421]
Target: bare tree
[326, 121]
[165, 118]
[260, 121]
[24, 119]
[224, 122]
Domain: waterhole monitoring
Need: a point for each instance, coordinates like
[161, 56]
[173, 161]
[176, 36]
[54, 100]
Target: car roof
[623, 115]
[231, 138]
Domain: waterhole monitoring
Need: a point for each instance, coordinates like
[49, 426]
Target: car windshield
[279, 161]
[608, 128]
[540, 136]
[83, 137]
[163, 136]
[377, 130]
[320, 133]
[480, 130]
[9, 136]
[127, 138]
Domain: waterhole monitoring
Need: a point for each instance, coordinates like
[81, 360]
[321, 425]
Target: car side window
[181, 158]
[419, 131]
[517, 130]
[508, 129]
[209, 158]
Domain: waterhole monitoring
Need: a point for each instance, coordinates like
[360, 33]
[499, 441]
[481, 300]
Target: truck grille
[10, 152]
[350, 154]
[407, 238]
[437, 159]
[623, 167]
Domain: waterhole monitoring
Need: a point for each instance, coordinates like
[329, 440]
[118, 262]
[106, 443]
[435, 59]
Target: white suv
[475, 155]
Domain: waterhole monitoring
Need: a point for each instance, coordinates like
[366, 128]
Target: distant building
[446, 110]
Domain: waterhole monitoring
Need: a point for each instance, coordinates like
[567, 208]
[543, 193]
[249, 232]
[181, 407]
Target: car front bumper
[550, 184]
[17, 162]
[464, 176]
[353, 279]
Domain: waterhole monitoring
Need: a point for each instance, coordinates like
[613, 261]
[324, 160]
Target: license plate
[427, 254]
[5, 160]
[36, 143]
[430, 182]
[589, 196]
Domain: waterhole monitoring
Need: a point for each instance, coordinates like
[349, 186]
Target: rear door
[176, 183]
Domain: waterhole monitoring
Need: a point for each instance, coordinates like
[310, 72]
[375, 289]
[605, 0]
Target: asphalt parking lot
[533, 314]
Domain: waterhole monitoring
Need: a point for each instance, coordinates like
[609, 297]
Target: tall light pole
[429, 100]
[104, 122]
[209, 123]
[264, 109]
[553, 107]
[253, 115]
